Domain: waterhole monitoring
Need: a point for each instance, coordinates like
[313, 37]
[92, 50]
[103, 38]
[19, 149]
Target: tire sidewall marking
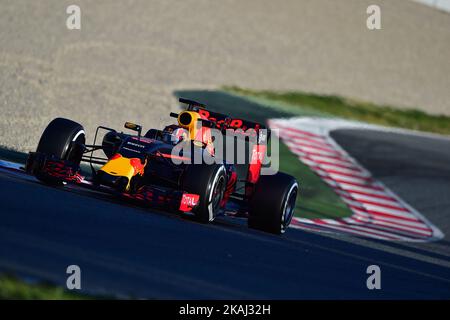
[210, 209]
[283, 222]
[78, 134]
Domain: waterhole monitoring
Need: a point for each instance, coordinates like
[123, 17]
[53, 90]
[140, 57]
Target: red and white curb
[377, 211]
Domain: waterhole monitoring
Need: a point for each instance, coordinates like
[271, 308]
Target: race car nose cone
[117, 182]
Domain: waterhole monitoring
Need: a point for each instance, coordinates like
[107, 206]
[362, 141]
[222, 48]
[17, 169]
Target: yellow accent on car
[119, 166]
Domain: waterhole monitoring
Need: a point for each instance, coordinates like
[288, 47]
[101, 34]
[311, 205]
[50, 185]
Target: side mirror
[134, 127]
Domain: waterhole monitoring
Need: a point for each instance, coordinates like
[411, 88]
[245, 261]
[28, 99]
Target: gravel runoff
[129, 56]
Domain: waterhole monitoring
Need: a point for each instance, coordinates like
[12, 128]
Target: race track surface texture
[129, 56]
[128, 251]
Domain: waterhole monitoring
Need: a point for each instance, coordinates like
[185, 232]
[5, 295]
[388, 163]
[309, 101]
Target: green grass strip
[316, 199]
[329, 105]
[15, 289]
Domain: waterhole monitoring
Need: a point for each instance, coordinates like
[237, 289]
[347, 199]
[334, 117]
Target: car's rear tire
[271, 207]
[208, 181]
[63, 139]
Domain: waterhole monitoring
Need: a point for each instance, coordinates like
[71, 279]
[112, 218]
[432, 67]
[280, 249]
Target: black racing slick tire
[271, 207]
[208, 181]
[63, 139]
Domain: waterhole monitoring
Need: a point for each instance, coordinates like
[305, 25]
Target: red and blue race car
[181, 168]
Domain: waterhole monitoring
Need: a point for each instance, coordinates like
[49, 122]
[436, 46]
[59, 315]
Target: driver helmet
[174, 134]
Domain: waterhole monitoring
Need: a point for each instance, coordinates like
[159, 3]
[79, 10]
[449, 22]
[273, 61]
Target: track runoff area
[377, 212]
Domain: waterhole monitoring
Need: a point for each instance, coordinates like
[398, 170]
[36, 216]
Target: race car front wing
[153, 196]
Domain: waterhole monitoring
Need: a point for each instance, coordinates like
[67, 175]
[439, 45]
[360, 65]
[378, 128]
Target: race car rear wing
[225, 122]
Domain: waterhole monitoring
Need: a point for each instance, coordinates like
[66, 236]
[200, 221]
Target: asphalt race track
[129, 251]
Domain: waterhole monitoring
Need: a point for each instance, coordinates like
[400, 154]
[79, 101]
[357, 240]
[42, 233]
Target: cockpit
[172, 134]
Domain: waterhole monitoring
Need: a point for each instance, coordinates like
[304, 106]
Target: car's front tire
[62, 139]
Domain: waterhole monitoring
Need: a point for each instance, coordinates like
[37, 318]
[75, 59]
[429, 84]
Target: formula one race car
[161, 168]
